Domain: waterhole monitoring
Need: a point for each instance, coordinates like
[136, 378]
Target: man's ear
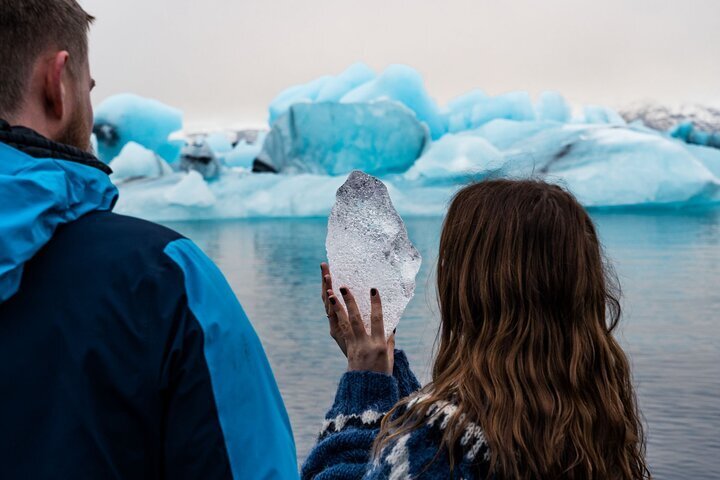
[55, 93]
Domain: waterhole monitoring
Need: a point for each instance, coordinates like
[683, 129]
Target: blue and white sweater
[344, 448]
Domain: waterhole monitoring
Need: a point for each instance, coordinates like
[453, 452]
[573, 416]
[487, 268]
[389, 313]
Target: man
[123, 351]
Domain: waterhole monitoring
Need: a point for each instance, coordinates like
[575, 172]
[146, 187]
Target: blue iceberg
[404, 85]
[552, 106]
[359, 84]
[337, 138]
[126, 118]
[600, 114]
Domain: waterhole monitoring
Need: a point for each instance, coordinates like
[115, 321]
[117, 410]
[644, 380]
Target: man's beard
[76, 134]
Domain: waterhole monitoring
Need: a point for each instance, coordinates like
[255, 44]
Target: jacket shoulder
[121, 232]
[106, 254]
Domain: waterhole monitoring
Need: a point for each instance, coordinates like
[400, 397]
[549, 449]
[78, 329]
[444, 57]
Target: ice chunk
[197, 156]
[334, 89]
[130, 118]
[324, 89]
[504, 134]
[553, 107]
[459, 110]
[368, 247]
[218, 142]
[305, 93]
[710, 157]
[605, 166]
[689, 133]
[456, 159]
[475, 109]
[405, 85]
[624, 167]
[336, 138]
[510, 106]
[136, 161]
[600, 114]
[191, 191]
[244, 153]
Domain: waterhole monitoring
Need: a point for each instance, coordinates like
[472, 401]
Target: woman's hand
[364, 352]
[331, 315]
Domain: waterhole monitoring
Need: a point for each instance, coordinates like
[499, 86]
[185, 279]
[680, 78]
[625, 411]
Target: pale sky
[222, 61]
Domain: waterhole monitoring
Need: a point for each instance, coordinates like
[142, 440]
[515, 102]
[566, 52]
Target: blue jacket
[124, 354]
[344, 448]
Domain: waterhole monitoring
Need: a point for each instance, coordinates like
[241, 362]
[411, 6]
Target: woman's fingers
[332, 317]
[377, 327]
[324, 275]
[356, 322]
[341, 315]
[327, 282]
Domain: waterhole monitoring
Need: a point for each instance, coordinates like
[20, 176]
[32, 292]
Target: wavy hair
[525, 346]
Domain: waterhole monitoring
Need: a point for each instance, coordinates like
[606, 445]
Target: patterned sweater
[344, 448]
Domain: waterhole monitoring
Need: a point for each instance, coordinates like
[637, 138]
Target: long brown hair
[526, 348]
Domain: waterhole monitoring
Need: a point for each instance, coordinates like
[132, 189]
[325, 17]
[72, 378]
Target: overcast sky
[224, 60]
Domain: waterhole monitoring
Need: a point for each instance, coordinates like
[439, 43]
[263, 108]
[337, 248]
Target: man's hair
[27, 29]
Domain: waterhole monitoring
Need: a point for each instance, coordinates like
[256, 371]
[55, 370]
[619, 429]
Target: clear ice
[368, 247]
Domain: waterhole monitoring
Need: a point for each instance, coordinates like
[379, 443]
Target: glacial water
[668, 264]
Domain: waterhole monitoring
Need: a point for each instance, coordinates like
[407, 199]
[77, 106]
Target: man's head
[45, 80]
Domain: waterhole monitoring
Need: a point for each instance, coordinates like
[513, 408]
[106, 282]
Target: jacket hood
[43, 185]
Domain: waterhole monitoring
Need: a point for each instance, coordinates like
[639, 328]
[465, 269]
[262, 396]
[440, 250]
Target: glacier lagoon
[386, 124]
[668, 264]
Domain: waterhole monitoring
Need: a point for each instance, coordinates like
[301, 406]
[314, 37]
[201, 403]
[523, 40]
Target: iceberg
[552, 106]
[136, 161]
[306, 93]
[191, 191]
[457, 159]
[689, 133]
[600, 114]
[218, 142]
[125, 118]
[336, 138]
[337, 87]
[458, 113]
[235, 194]
[510, 106]
[404, 85]
[368, 247]
[197, 156]
[609, 166]
[476, 109]
[243, 154]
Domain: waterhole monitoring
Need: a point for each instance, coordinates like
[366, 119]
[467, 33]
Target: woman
[528, 381]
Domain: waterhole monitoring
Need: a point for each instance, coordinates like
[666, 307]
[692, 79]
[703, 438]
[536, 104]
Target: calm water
[668, 263]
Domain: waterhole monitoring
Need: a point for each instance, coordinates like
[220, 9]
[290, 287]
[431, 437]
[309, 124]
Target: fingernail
[373, 292]
[332, 300]
[344, 291]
